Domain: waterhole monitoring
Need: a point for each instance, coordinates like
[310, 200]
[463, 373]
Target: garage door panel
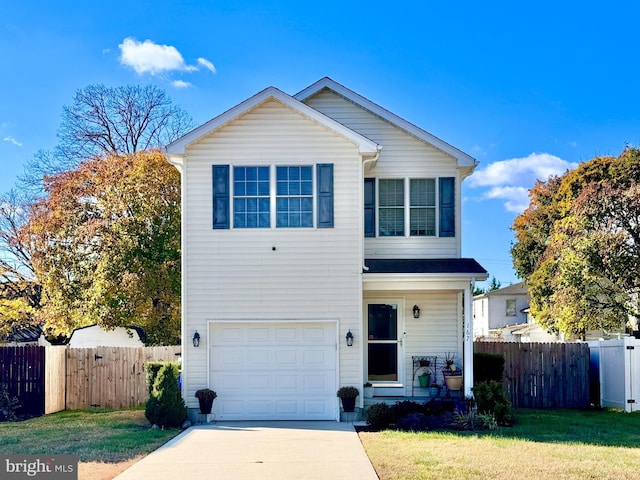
[279, 371]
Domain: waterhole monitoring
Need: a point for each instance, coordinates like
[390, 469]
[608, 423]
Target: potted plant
[434, 389]
[424, 378]
[348, 397]
[451, 373]
[205, 398]
[368, 390]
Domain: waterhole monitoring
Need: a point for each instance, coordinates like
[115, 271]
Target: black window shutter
[220, 197]
[369, 207]
[447, 207]
[324, 174]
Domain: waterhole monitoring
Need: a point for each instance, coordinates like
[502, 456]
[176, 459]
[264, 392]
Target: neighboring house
[31, 335]
[503, 315]
[308, 219]
[96, 336]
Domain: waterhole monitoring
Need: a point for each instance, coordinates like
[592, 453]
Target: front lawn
[543, 445]
[93, 435]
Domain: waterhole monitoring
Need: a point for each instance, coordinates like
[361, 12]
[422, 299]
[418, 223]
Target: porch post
[468, 339]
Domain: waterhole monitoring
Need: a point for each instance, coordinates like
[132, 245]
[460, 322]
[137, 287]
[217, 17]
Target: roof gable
[365, 146]
[464, 161]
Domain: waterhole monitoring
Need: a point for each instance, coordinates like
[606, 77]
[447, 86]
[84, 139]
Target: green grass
[93, 435]
[543, 445]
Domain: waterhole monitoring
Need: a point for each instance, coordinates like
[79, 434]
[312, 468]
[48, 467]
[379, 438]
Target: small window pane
[391, 193]
[251, 197]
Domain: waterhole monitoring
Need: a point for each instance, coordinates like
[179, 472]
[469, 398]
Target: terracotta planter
[454, 382]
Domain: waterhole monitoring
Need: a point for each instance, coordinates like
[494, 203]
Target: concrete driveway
[258, 450]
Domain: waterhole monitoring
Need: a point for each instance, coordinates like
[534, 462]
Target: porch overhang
[421, 274]
[453, 274]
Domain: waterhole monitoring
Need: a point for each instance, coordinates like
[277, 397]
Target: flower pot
[434, 391]
[205, 405]
[424, 380]
[368, 392]
[348, 404]
[454, 382]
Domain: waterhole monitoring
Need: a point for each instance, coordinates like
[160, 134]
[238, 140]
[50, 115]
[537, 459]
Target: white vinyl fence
[618, 369]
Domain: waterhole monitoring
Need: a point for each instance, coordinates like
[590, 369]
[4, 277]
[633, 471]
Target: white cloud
[510, 180]
[207, 64]
[151, 58]
[10, 139]
[516, 198]
[180, 84]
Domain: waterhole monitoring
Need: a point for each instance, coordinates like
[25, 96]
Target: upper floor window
[294, 197]
[251, 202]
[423, 207]
[426, 205]
[276, 196]
[511, 308]
[391, 208]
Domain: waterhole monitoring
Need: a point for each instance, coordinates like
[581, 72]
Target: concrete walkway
[258, 450]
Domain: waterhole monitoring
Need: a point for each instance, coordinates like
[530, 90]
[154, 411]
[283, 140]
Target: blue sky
[528, 89]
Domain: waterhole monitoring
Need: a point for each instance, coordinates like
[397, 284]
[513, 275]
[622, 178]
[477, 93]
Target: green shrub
[165, 406]
[152, 369]
[8, 405]
[488, 366]
[402, 409]
[492, 398]
[379, 416]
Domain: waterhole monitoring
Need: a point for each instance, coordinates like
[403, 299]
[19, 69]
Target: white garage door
[274, 370]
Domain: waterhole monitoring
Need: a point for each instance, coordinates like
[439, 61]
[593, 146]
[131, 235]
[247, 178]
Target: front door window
[383, 342]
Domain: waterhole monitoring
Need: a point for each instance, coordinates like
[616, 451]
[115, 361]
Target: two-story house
[321, 247]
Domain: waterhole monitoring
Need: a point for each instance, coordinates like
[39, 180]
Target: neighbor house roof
[466, 162]
[426, 266]
[26, 334]
[365, 146]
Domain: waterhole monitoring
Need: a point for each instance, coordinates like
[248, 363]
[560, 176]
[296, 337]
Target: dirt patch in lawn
[102, 470]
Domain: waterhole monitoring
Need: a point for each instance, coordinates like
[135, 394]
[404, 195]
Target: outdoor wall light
[196, 339]
[416, 311]
[349, 338]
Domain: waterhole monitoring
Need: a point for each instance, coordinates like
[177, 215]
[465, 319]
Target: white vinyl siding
[403, 153]
[276, 274]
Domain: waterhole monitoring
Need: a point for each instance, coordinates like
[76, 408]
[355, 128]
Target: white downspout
[468, 338]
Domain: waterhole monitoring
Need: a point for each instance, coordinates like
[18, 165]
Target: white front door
[384, 343]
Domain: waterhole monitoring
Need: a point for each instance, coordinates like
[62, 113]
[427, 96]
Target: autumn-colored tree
[107, 246]
[578, 246]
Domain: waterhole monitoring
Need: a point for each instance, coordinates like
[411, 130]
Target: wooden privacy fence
[22, 372]
[111, 377]
[543, 375]
[50, 379]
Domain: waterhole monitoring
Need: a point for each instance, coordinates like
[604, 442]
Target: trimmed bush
[165, 406]
[379, 416]
[492, 398]
[152, 369]
[487, 367]
[402, 409]
[414, 422]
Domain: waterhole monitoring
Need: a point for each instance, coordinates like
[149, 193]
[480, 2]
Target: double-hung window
[391, 208]
[425, 205]
[422, 221]
[251, 202]
[294, 196]
[273, 196]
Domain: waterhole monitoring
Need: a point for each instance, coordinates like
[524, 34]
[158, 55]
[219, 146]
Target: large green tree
[107, 246]
[578, 246]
